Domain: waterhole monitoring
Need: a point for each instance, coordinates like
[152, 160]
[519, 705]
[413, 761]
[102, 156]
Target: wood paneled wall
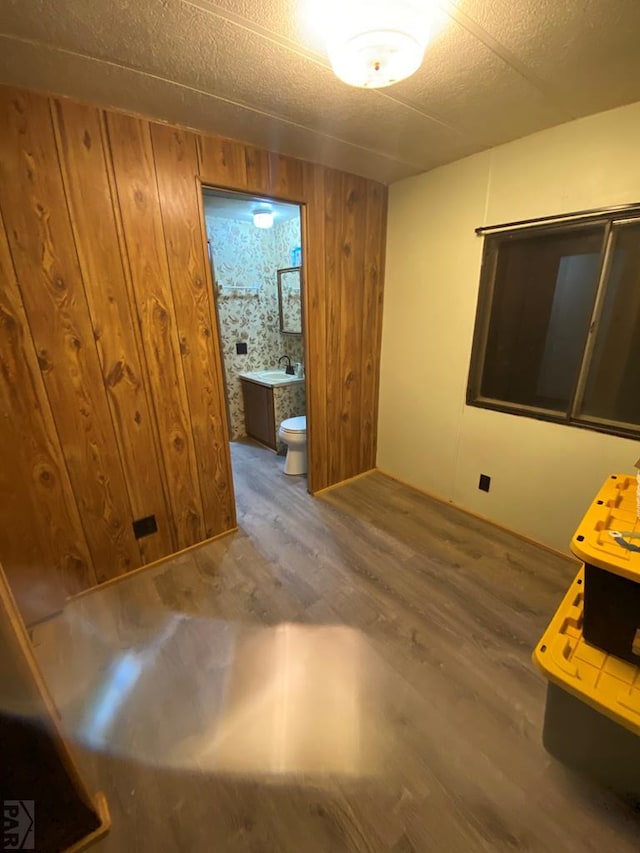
[111, 390]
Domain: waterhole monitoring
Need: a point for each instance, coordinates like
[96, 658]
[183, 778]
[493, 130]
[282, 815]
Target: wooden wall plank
[176, 169]
[136, 236]
[223, 163]
[41, 242]
[42, 542]
[286, 177]
[352, 247]
[36, 584]
[131, 149]
[315, 324]
[333, 192]
[257, 168]
[375, 238]
[84, 169]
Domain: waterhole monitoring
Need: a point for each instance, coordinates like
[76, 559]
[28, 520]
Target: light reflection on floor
[228, 698]
[115, 688]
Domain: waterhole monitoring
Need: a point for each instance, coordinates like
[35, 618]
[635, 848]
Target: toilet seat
[298, 424]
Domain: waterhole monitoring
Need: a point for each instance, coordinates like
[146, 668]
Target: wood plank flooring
[345, 673]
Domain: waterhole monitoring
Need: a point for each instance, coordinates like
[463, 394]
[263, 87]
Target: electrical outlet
[485, 483]
[241, 348]
[145, 526]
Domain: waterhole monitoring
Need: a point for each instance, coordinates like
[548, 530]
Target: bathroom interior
[255, 250]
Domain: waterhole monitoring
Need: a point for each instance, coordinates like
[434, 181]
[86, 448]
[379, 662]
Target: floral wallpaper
[286, 237]
[246, 260]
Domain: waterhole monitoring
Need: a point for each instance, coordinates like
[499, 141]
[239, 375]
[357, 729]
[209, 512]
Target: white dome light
[374, 43]
[263, 218]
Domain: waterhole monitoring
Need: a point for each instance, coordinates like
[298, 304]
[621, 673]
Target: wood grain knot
[178, 443]
[76, 566]
[7, 321]
[43, 361]
[138, 196]
[184, 346]
[161, 313]
[137, 418]
[58, 283]
[198, 282]
[86, 140]
[206, 331]
[75, 342]
[346, 249]
[46, 477]
[116, 374]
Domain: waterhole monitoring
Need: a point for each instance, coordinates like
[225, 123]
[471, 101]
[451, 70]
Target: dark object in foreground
[592, 744]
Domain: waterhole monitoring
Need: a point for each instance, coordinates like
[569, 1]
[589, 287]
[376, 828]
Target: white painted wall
[543, 475]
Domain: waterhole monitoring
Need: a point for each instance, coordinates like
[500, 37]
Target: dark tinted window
[543, 297]
[613, 387]
[558, 324]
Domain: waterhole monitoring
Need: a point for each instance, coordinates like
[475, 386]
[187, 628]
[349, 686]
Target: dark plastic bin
[612, 613]
[592, 717]
[608, 541]
[592, 744]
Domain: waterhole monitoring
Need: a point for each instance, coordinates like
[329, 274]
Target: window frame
[497, 236]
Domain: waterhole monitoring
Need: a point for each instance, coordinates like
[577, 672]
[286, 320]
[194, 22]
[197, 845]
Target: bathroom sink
[274, 375]
[270, 378]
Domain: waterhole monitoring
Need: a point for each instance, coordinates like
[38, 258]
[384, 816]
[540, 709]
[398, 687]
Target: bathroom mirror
[290, 300]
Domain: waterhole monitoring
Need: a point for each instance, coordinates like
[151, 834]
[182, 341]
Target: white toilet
[293, 431]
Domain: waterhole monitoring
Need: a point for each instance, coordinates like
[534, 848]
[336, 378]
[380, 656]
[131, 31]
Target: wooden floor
[350, 672]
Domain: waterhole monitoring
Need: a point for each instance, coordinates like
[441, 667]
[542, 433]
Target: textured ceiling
[241, 207]
[256, 70]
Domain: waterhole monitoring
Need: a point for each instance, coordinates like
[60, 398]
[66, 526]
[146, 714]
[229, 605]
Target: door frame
[202, 186]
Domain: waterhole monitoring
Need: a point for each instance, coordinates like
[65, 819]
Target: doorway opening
[255, 251]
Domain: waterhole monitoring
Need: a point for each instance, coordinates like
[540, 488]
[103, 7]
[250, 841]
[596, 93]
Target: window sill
[604, 427]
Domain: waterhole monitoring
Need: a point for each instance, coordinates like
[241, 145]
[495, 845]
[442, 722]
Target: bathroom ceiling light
[263, 218]
[375, 43]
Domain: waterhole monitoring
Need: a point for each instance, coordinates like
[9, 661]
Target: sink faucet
[289, 368]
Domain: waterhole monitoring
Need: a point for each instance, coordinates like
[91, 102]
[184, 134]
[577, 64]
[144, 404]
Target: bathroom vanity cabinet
[259, 413]
[270, 396]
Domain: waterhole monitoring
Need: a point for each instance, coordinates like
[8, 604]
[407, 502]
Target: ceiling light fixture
[375, 43]
[263, 218]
